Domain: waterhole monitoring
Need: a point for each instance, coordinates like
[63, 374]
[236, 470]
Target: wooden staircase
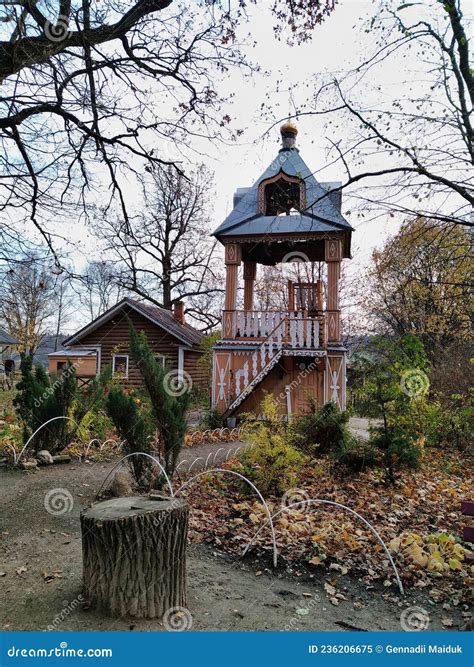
[294, 332]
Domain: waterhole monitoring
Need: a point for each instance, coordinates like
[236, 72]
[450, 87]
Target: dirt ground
[40, 574]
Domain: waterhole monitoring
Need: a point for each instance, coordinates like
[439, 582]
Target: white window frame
[161, 358]
[114, 372]
[181, 350]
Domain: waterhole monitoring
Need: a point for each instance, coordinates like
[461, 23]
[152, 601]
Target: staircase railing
[293, 331]
[262, 357]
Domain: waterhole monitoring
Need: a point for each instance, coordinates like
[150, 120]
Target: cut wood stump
[134, 555]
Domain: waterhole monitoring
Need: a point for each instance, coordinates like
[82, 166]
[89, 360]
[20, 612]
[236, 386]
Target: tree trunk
[134, 555]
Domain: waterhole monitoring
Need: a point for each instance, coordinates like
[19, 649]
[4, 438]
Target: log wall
[114, 338]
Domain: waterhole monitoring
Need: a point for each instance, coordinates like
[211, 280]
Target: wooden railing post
[250, 269]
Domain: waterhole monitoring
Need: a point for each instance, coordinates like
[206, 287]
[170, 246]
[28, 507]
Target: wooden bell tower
[295, 354]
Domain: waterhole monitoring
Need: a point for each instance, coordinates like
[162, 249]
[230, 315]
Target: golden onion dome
[289, 128]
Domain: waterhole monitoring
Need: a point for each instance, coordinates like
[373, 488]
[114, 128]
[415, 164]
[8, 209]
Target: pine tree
[169, 410]
[41, 399]
[132, 429]
[166, 412]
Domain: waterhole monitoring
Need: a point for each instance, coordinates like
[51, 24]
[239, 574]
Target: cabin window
[281, 195]
[161, 359]
[120, 365]
[61, 365]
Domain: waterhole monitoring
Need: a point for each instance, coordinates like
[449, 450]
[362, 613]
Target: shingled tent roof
[159, 316]
[322, 212]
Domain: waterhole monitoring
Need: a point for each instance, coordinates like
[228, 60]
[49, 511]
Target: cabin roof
[6, 339]
[164, 319]
[323, 203]
[73, 353]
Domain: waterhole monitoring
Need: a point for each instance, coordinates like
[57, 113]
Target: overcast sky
[283, 87]
[339, 44]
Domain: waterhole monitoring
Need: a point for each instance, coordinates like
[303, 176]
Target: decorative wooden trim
[334, 273]
[333, 250]
[230, 300]
[281, 176]
[250, 270]
[233, 253]
[228, 323]
[333, 326]
[336, 380]
[277, 238]
[304, 353]
[221, 379]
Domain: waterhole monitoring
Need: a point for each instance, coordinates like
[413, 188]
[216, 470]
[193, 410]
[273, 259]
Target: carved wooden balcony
[292, 329]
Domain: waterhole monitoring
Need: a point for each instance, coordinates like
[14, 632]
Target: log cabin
[106, 341]
[297, 353]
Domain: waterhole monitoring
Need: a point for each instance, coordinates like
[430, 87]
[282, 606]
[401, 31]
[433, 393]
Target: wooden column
[250, 270]
[333, 256]
[319, 297]
[291, 296]
[232, 262]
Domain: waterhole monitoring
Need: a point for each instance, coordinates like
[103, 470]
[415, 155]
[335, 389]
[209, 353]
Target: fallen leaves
[419, 518]
[438, 552]
[52, 576]
[447, 622]
[330, 590]
[315, 560]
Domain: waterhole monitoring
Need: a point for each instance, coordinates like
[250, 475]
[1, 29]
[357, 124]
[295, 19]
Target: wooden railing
[300, 331]
[293, 331]
[257, 323]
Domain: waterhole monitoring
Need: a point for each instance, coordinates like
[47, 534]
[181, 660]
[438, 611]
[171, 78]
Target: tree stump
[134, 555]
